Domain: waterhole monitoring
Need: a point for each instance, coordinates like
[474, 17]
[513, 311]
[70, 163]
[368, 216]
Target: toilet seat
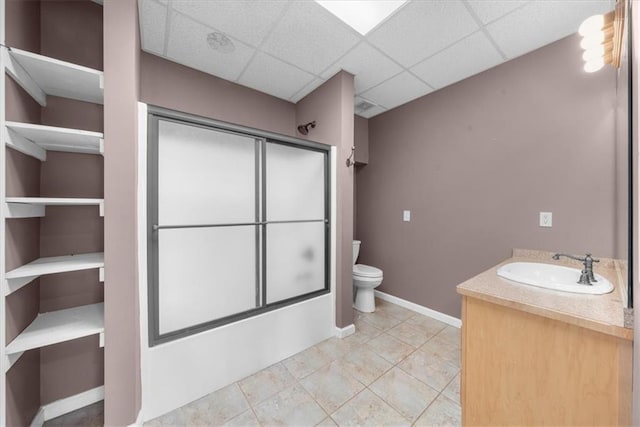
[367, 271]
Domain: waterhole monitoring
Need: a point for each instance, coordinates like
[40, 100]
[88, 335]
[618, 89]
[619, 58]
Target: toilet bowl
[365, 280]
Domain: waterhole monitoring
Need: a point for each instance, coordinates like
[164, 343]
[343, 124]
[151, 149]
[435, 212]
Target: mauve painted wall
[361, 139]
[122, 317]
[477, 161]
[331, 106]
[167, 84]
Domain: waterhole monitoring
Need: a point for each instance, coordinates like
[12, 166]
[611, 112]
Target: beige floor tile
[266, 383]
[174, 418]
[331, 386]
[367, 409]
[404, 393]
[304, 363]
[337, 348]
[217, 408]
[410, 334]
[380, 320]
[246, 419]
[432, 371]
[393, 310]
[390, 348]
[292, 406]
[452, 391]
[442, 412]
[364, 365]
[364, 331]
[327, 422]
[451, 334]
[442, 348]
[428, 324]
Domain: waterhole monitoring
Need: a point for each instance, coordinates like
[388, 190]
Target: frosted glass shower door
[207, 225]
[296, 218]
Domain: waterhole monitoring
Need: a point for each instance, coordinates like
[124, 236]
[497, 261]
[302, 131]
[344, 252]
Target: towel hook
[350, 161]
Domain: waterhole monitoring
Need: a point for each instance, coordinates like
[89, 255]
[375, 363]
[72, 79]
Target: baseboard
[38, 420]
[69, 404]
[346, 331]
[449, 320]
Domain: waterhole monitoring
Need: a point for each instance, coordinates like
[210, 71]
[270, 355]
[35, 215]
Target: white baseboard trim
[449, 320]
[346, 331]
[68, 404]
[38, 420]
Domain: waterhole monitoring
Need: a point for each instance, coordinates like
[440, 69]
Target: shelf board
[29, 207]
[35, 140]
[57, 264]
[40, 76]
[59, 326]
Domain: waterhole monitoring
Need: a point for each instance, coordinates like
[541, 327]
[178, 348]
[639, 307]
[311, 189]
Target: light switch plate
[546, 219]
[406, 216]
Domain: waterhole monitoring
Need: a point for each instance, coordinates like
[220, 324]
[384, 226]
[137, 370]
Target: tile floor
[399, 368]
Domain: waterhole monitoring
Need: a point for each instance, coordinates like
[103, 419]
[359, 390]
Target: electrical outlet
[406, 216]
[546, 219]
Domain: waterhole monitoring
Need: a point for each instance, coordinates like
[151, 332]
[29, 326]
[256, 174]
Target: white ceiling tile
[542, 22]
[470, 56]
[153, 19]
[188, 45]
[422, 28]
[247, 20]
[367, 64]
[489, 10]
[396, 91]
[306, 90]
[373, 111]
[310, 37]
[272, 76]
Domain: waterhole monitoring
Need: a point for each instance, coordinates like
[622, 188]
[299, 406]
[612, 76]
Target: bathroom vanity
[533, 356]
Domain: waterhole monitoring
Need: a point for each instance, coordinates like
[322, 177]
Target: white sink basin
[554, 277]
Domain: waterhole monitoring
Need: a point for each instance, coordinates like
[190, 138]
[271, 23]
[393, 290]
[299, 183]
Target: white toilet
[365, 279]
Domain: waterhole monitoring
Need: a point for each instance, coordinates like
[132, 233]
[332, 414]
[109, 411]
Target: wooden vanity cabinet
[522, 369]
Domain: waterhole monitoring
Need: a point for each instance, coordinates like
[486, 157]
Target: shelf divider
[28, 207]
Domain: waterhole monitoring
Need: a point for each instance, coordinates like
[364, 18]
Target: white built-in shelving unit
[35, 140]
[56, 327]
[41, 76]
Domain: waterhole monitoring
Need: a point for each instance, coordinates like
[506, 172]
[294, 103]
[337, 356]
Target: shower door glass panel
[205, 274]
[205, 176]
[295, 259]
[295, 179]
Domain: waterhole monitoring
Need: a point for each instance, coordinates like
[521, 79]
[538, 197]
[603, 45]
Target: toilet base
[365, 300]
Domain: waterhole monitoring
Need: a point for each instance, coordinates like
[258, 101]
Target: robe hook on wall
[350, 161]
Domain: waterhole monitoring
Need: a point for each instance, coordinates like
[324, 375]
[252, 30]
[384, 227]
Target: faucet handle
[589, 257]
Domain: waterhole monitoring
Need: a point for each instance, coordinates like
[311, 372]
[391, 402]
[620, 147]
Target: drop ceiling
[287, 48]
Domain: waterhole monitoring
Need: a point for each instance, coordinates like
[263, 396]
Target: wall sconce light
[602, 39]
[304, 129]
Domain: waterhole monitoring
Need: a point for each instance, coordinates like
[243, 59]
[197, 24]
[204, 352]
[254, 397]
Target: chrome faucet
[586, 276]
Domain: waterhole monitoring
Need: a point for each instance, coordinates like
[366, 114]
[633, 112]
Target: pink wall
[170, 85]
[361, 139]
[122, 318]
[331, 106]
[477, 161]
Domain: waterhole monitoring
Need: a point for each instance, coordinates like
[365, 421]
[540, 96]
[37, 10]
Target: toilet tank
[356, 250]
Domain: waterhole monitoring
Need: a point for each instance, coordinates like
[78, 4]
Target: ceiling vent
[364, 105]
